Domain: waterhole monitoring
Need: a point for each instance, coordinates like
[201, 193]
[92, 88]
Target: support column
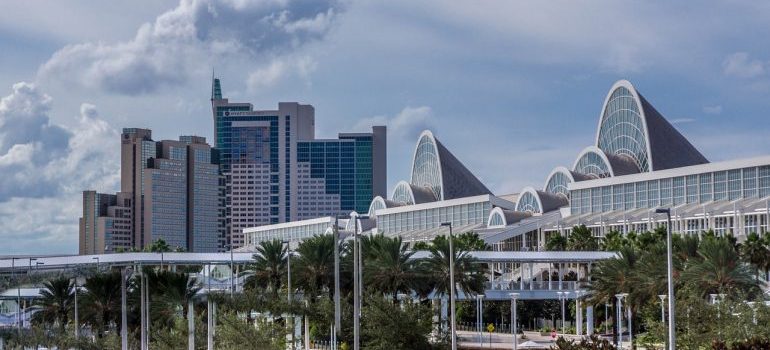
[550, 284]
[190, 325]
[578, 317]
[589, 320]
[531, 279]
[521, 276]
[561, 276]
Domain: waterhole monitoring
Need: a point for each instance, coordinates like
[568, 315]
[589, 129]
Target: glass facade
[528, 202]
[592, 163]
[734, 184]
[557, 184]
[427, 169]
[345, 166]
[431, 218]
[622, 131]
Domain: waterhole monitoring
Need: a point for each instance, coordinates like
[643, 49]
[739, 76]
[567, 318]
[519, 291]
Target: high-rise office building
[276, 171]
[106, 223]
[171, 190]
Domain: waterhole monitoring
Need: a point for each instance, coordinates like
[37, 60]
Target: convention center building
[638, 163]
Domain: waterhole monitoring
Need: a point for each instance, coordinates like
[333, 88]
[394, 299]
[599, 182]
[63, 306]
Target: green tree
[159, 246]
[613, 241]
[719, 269]
[102, 301]
[755, 252]
[391, 326]
[55, 303]
[469, 272]
[171, 294]
[269, 266]
[314, 272]
[390, 268]
[581, 239]
[556, 242]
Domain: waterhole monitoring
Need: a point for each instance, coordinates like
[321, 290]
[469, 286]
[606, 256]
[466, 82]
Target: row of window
[753, 182]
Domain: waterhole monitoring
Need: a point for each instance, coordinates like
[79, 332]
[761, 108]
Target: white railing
[537, 285]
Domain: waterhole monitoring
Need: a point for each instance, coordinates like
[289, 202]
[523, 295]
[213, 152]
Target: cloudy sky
[512, 88]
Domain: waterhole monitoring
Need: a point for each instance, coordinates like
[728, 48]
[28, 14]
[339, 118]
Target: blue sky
[512, 88]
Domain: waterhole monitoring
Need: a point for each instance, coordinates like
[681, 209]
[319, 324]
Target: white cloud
[194, 35]
[406, 125]
[717, 109]
[45, 167]
[740, 65]
[682, 120]
[281, 69]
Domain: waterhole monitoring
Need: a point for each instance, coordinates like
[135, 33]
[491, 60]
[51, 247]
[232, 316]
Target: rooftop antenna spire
[216, 89]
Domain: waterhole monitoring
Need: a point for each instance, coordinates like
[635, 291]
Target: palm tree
[390, 268]
[269, 266]
[314, 272]
[755, 252]
[55, 303]
[719, 269]
[469, 273]
[613, 241]
[171, 293]
[102, 301]
[556, 242]
[581, 239]
[613, 276]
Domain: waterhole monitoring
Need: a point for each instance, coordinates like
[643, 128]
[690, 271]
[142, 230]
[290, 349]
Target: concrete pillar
[523, 241]
[550, 285]
[561, 276]
[578, 317]
[531, 279]
[589, 320]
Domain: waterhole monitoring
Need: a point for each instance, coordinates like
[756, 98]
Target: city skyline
[531, 84]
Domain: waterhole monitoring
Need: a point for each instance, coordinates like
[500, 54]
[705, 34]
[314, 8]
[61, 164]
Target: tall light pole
[18, 296]
[357, 281]
[232, 271]
[480, 318]
[514, 330]
[288, 285]
[671, 313]
[563, 296]
[123, 310]
[337, 305]
[607, 318]
[77, 322]
[620, 318]
[452, 285]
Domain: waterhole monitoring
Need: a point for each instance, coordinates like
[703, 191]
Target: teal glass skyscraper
[276, 171]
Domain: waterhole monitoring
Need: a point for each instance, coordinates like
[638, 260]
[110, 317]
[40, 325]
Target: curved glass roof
[403, 193]
[592, 162]
[496, 219]
[528, 202]
[426, 169]
[377, 204]
[558, 182]
[622, 129]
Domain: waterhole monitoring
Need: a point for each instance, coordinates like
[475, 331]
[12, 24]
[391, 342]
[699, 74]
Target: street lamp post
[671, 313]
[357, 281]
[514, 330]
[452, 296]
[480, 318]
[18, 296]
[123, 310]
[288, 286]
[232, 271]
[563, 298]
[77, 323]
[620, 318]
[337, 305]
[607, 318]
